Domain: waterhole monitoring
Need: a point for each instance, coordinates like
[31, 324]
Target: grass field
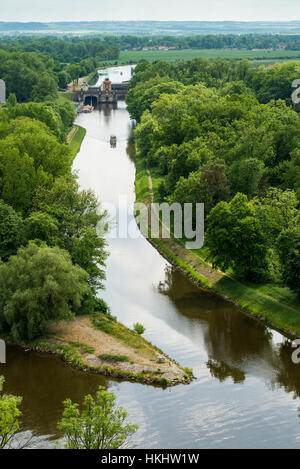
[188, 54]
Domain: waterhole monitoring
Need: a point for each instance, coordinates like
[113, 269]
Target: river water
[247, 389]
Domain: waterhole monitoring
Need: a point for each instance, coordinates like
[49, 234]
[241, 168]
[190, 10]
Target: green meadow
[188, 54]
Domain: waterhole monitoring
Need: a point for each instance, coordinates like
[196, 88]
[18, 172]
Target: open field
[189, 54]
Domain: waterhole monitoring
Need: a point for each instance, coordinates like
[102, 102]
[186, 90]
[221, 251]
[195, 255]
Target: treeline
[239, 77]
[30, 76]
[208, 41]
[107, 47]
[35, 68]
[51, 257]
[216, 133]
[66, 49]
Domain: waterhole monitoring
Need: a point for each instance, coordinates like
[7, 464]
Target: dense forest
[225, 133]
[68, 49]
[34, 69]
[209, 41]
[51, 256]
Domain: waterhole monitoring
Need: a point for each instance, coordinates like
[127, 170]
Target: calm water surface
[247, 389]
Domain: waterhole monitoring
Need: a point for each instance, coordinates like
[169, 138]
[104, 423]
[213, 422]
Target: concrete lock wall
[2, 92]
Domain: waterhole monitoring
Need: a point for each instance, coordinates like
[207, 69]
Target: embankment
[272, 304]
[100, 344]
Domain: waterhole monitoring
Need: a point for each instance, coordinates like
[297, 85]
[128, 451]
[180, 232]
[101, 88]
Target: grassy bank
[75, 138]
[92, 78]
[100, 344]
[272, 303]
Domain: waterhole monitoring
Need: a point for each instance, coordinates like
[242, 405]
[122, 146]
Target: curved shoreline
[288, 333]
[145, 363]
[204, 279]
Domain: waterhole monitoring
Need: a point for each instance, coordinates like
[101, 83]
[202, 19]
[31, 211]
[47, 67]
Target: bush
[139, 328]
[113, 358]
[100, 425]
[9, 417]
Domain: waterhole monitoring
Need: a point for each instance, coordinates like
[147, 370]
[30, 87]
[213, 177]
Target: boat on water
[113, 140]
[87, 108]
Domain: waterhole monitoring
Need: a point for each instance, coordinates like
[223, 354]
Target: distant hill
[154, 27]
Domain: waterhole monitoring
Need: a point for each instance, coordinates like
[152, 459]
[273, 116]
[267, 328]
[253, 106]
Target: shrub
[100, 425]
[139, 328]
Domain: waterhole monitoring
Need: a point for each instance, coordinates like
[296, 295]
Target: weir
[106, 93]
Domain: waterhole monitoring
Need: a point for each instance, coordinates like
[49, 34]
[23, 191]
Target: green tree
[245, 176]
[76, 214]
[37, 285]
[100, 425]
[67, 114]
[192, 190]
[277, 211]
[30, 157]
[18, 178]
[291, 270]
[44, 89]
[235, 239]
[214, 176]
[9, 417]
[144, 134]
[288, 245]
[63, 79]
[41, 226]
[74, 71]
[11, 100]
[11, 231]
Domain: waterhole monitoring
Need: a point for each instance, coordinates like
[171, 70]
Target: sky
[172, 10]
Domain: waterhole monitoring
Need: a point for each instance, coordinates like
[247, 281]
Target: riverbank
[75, 138]
[272, 304]
[100, 344]
[105, 346]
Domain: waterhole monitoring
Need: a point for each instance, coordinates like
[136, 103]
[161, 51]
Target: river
[247, 390]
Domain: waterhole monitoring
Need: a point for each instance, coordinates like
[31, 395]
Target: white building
[2, 92]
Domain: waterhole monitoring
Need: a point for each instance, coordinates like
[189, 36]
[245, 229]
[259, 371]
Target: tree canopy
[38, 284]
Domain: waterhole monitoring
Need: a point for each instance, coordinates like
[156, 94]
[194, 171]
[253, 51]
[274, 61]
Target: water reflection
[44, 382]
[235, 344]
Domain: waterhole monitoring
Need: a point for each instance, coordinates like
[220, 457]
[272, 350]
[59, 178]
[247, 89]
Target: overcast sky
[97, 10]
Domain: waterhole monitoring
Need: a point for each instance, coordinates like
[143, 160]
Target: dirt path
[72, 133]
[199, 264]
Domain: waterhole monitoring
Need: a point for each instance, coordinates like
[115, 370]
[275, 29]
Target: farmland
[189, 54]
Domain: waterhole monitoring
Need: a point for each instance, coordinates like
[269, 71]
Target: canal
[246, 394]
